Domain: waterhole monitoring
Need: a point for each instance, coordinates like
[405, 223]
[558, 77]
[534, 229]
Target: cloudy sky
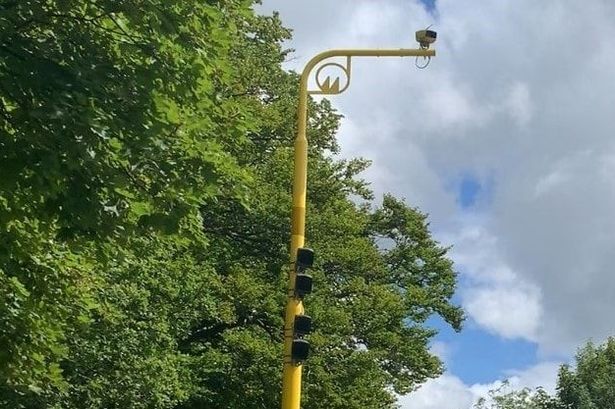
[507, 141]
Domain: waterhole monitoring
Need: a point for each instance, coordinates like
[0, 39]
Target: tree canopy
[525, 398]
[145, 159]
[589, 384]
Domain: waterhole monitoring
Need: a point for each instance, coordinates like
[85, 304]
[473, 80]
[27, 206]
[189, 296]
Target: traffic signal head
[303, 285]
[303, 325]
[305, 258]
[300, 350]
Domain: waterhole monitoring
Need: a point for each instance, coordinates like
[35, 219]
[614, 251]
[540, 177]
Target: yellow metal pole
[291, 379]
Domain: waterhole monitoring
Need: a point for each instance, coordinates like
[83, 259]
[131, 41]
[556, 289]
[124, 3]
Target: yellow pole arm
[291, 380]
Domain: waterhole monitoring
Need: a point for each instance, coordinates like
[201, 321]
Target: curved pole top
[326, 87]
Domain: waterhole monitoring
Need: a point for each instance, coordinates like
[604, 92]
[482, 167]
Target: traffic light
[300, 350]
[305, 259]
[303, 285]
[303, 281]
[303, 325]
[301, 347]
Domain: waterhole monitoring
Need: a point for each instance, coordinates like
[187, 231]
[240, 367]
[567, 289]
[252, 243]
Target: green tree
[114, 118]
[144, 212]
[591, 383]
[526, 398]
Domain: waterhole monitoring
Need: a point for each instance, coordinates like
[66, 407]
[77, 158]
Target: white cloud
[519, 103]
[441, 349]
[407, 161]
[449, 106]
[446, 392]
[496, 297]
[543, 374]
[449, 392]
[515, 94]
[510, 312]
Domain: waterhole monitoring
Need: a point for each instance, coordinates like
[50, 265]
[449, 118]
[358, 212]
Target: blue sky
[474, 354]
[505, 140]
[468, 191]
[430, 5]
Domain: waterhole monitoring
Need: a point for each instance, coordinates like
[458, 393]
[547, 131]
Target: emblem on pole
[328, 86]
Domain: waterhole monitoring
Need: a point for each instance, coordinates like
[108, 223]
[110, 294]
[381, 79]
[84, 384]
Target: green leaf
[141, 208]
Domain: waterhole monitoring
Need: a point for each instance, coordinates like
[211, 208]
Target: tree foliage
[526, 398]
[145, 158]
[591, 383]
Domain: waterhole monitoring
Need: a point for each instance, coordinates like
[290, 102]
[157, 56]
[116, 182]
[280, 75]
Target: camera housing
[426, 37]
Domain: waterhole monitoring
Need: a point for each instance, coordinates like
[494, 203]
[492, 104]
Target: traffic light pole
[291, 381]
